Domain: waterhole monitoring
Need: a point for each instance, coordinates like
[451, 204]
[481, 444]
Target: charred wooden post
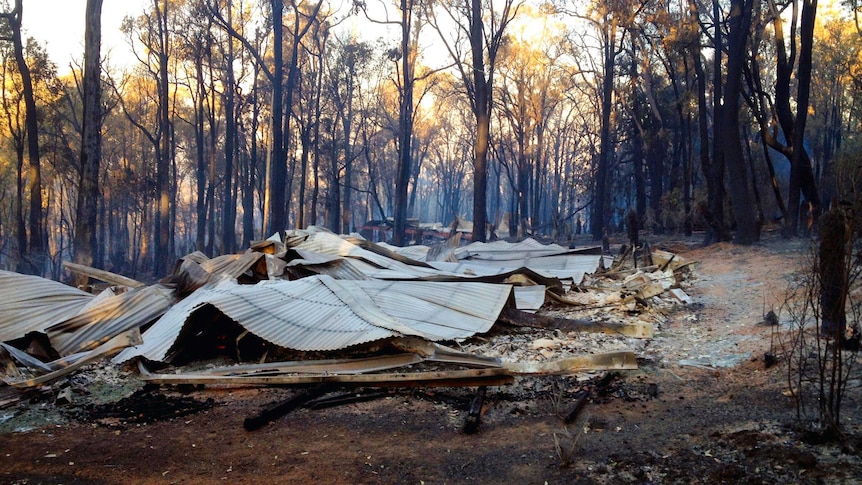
[580, 403]
[600, 389]
[350, 398]
[274, 412]
[633, 226]
[474, 417]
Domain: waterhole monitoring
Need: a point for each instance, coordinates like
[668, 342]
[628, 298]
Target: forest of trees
[243, 118]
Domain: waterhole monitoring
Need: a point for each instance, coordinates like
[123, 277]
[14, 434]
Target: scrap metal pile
[311, 307]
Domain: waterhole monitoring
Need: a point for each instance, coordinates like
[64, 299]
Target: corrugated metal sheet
[330, 244]
[159, 338]
[321, 313]
[232, 265]
[417, 251]
[490, 259]
[488, 271]
[197, 270]
[468, 268]
[112, 316]
[32, 304]
[563, 262]
[70, 363]
[503, 250]
[529, 298]
[354, 269]
[444, 251]
[302, 315]
[312, 257]
[443, 311]
[346, 269]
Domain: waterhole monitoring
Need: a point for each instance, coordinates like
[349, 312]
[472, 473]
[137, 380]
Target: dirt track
[665, 423]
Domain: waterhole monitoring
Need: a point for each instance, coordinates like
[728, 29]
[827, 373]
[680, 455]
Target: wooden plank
[680, 295]
[329, 366]
[649, 290]
[423, 379]
[608, 361]
[523, 319]
[434, 352]
[453, 378]
[102, 275]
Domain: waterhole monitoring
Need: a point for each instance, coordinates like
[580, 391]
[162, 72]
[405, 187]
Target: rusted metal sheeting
[321, 313]
[102, 321]
[32, 304]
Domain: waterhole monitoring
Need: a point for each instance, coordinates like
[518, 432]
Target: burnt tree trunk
[34, 255]
[602, 172]
[276, 164]
[747, 228]
[229, 200]
[482, 110]
[91, 142]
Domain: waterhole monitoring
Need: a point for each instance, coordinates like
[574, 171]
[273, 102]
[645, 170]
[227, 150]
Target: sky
[59, 26]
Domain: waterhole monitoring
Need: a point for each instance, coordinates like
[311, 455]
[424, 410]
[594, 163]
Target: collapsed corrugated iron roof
[32, 304]
[321, 313]
[476, 261]
[110, 316]
[348, 292]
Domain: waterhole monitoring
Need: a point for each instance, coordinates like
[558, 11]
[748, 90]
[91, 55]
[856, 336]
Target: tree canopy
[240, 119]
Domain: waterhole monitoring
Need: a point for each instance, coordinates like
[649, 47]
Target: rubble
[349, 313]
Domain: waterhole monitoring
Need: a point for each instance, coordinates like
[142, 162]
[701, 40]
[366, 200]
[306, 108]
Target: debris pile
[311, 308]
